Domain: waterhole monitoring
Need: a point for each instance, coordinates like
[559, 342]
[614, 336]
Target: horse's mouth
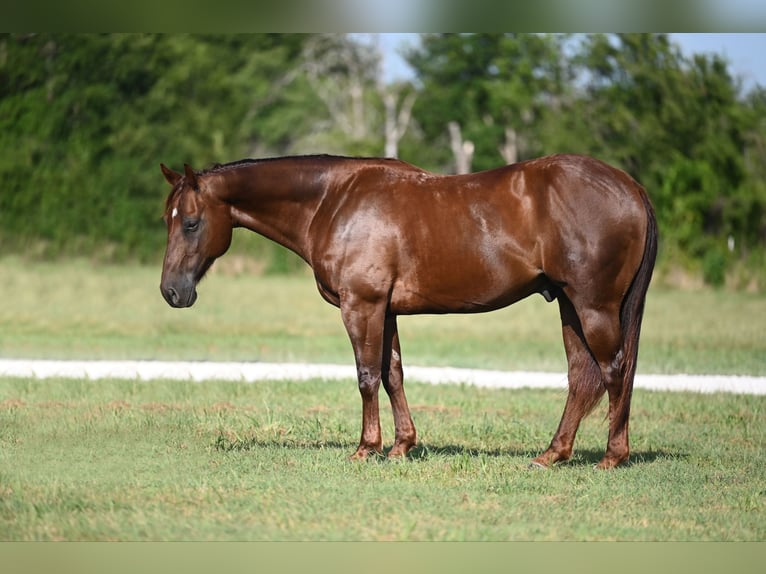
[180, 289]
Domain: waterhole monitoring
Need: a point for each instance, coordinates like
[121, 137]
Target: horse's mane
[217, 167]
[220, 167]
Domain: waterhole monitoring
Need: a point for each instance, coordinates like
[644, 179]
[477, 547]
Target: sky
[746, 53]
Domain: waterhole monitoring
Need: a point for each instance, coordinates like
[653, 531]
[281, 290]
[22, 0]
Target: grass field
[131, 460]
[76, 310]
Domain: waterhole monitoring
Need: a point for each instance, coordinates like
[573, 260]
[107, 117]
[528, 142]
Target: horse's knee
[369, 382]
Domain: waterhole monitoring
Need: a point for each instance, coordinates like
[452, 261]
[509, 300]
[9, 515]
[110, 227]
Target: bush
[714, 264]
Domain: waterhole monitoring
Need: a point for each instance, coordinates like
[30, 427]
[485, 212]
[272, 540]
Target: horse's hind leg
[585, 386]
[393, 382]
[604, 336]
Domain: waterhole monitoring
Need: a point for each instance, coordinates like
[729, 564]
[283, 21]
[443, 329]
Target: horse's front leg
[364, 323]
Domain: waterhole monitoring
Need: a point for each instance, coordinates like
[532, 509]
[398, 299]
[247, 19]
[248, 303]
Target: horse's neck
[277, 199]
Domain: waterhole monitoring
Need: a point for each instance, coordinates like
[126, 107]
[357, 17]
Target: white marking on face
[174, 213]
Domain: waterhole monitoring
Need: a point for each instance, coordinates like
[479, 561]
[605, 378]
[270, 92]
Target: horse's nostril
[170, 295]
[180, 296]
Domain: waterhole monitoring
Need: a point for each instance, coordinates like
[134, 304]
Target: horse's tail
[632, 311]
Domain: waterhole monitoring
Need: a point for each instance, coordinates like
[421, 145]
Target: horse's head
[199, 231]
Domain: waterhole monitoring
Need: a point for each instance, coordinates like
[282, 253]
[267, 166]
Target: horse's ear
[171, 176]
[191, 177]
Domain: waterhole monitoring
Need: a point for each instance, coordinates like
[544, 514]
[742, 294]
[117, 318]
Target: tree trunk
[510, 149]
[396, 123]
[462, 150]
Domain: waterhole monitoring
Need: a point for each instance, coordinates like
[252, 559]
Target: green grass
[127, 460]
[77, 310]
[130, 460]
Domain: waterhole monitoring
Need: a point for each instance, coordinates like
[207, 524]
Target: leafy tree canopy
[85, 120]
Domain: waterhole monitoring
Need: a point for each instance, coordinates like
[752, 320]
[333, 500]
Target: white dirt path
[251, 372]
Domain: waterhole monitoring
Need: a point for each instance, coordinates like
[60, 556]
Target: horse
[385, 238]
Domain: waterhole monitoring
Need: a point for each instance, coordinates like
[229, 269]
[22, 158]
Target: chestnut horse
[385, 238]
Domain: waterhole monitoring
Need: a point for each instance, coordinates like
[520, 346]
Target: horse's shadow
[424, 452]
[581, 457]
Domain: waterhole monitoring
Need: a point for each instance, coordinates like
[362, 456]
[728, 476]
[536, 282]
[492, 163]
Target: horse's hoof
[363, 454]
[399, 451]
[609, 463]
[534, 465]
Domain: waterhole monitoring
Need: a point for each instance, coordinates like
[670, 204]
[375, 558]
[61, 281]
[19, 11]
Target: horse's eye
[191, 225]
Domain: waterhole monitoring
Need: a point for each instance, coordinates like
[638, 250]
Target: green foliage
[85, 120]
[487, 83]
[678, 126]
[714, 267]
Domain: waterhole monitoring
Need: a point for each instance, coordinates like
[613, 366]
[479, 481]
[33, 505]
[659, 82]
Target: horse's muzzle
[179, 297]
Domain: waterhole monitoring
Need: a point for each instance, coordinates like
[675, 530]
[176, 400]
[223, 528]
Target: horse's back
[479, 241]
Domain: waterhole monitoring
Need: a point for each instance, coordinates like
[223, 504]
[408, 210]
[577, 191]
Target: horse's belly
[456, 290]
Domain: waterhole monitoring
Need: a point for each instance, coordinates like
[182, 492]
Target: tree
[398, 100]
[496, 88]
[342, 73]
[674, 123]
[85, 120]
